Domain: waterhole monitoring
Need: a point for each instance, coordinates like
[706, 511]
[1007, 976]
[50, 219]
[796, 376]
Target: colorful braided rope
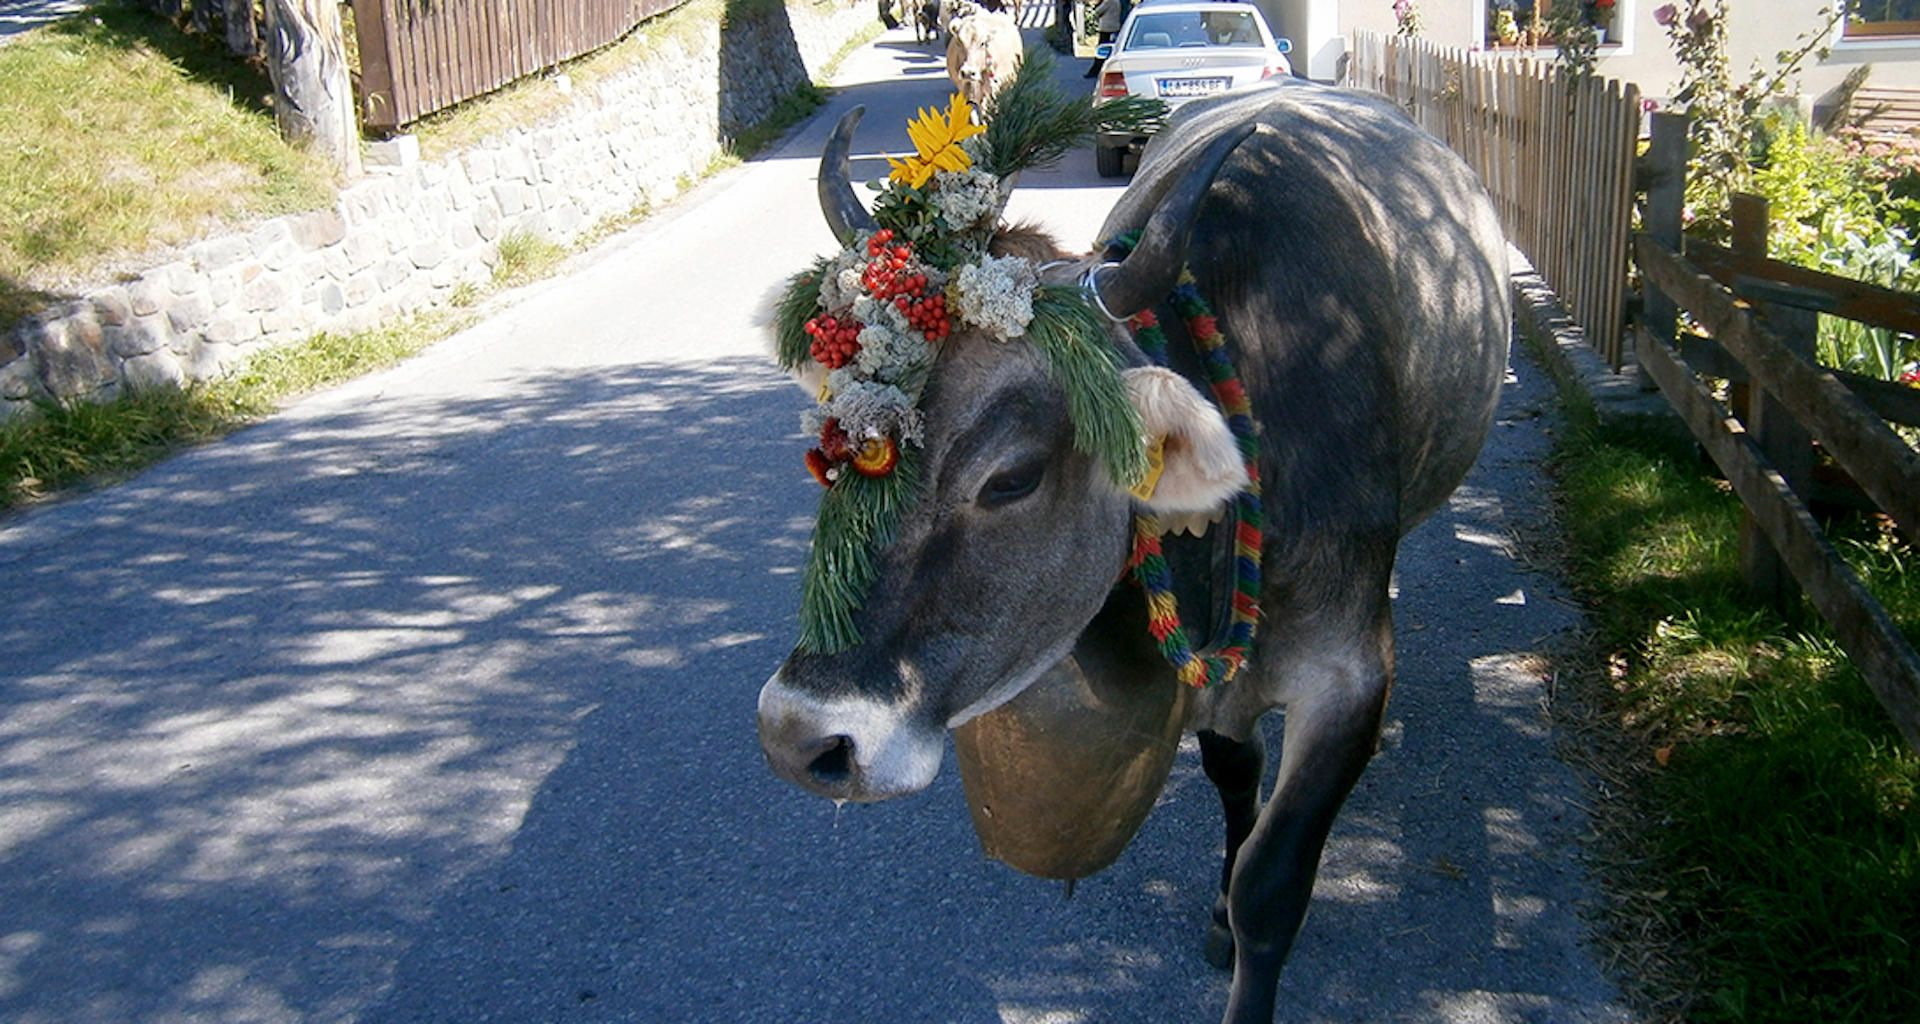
[1149, 563]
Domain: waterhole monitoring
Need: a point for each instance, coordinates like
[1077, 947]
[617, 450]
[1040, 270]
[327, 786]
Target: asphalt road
[432, 699]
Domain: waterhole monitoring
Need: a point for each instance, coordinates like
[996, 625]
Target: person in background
[1106, 15]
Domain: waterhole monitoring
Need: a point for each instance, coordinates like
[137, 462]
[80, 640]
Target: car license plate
[1181, 88]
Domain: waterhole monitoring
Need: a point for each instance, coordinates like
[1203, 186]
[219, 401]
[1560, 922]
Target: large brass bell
[1061, 777]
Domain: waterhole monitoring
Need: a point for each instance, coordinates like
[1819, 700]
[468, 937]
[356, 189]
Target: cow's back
[1361, 272]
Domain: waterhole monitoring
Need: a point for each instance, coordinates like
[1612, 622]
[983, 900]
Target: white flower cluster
[891, 354]
[996, 295]
[840, 281]
[967, 198]
[866, 409]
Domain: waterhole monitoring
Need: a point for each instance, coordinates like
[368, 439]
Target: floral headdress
[873, 317]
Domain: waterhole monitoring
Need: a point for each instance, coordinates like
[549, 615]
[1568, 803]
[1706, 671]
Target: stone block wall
[403, 240]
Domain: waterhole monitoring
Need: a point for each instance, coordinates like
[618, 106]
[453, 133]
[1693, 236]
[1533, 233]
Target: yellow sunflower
[936, 139]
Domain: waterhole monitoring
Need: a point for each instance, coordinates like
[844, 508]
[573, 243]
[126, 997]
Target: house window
[1525, 22]
[1883, 18]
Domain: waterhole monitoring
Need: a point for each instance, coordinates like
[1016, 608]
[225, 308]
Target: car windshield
[1192, 28]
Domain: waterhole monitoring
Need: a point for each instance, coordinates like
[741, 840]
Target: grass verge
[1764, 862]
[120, 134]
[65, 445]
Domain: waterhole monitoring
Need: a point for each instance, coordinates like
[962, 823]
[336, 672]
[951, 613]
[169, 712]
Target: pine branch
[1031, 123]
[798, 304]
[1071, 335]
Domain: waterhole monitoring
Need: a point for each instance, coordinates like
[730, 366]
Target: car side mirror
[1283, 45]
[1105, 50]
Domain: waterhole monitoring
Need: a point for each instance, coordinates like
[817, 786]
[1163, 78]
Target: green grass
[1783, 823]
[64, 445]
[120, 134]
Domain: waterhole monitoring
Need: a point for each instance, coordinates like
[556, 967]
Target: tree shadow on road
[446, 714]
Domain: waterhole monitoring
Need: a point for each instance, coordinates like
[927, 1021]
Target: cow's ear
[1201, 467]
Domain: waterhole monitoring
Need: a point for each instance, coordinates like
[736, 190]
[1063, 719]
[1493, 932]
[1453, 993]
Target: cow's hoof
[1219, 950]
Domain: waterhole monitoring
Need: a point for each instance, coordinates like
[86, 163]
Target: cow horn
[842, 208]
[1149, 273]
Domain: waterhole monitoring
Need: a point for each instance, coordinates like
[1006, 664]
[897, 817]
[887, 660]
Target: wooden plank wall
[1556, 154]
[417, 57]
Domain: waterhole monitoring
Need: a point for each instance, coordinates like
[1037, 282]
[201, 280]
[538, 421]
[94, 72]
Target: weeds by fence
[1787, 404]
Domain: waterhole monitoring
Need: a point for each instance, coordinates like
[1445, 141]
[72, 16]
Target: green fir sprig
[858, 517]
[1071, 335]
[1031, 123]
[798, 304]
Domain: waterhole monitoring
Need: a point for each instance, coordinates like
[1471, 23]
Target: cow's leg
[1336, 699]
[1234, 768]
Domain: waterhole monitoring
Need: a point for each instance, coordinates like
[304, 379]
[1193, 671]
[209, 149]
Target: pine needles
[858, 517]
[1068, 333]
[1031, 123]
[797, 305]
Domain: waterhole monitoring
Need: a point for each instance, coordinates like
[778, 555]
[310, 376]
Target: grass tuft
[522, 258]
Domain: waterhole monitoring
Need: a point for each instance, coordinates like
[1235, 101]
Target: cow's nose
[809, 754]
[834, 764]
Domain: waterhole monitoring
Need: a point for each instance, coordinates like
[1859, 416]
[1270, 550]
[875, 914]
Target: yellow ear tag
[1156, 465]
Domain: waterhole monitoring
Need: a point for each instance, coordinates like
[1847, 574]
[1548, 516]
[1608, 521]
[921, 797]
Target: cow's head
[1016, 535]
[983, 52]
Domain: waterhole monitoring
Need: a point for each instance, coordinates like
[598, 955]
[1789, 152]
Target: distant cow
[983, 51]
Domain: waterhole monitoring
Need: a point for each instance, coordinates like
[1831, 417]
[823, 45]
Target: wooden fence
[1759, 319]
[419, 56]
[1556, 153]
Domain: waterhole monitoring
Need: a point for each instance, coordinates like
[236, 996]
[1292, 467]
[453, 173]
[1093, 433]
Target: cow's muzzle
[845, 748]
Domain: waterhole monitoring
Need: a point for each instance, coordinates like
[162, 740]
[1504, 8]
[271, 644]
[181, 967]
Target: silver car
[1182, 49]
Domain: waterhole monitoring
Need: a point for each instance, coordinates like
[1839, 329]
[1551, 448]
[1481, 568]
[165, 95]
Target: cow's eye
[1011, 485]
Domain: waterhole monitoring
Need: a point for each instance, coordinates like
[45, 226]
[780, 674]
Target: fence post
[1664, 176]
[1786, 444]
[243, 32]
[312, 97]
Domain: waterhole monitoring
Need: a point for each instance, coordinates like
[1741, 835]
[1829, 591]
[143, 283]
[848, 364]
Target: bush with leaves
[1836, 209]
[1726, 114]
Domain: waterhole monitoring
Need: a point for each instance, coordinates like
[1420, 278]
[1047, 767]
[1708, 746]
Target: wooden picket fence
[418, 57]
[1557, 155]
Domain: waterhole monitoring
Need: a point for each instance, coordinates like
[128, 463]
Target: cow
[1358, 268]
[983, 52]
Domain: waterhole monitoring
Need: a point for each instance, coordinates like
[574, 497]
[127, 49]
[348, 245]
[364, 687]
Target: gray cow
[1357, 267]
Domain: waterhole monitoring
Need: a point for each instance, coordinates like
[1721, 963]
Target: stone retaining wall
[404, 239]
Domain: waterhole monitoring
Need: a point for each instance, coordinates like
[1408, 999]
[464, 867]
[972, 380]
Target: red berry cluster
[927, 315]
[835, 343]
[888, 276]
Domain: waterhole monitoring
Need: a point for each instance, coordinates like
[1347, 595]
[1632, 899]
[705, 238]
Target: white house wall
[1638, 51]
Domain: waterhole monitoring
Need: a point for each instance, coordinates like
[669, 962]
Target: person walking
[1106, 15]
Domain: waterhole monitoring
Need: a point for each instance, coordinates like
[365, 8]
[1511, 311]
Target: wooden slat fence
[1757, 325]
[1557, 155]
[419, 56]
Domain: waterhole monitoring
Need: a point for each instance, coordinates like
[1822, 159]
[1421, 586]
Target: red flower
[834, 442]
[817, 464]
